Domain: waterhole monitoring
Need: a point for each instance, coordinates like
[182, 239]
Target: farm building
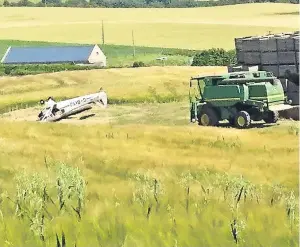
[91, 54]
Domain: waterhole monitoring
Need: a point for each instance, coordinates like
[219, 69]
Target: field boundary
[134, 4]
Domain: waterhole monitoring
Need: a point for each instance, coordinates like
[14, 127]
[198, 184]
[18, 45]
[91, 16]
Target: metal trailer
[276, 53]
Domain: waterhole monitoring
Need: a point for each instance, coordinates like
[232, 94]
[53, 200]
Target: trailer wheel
[272, 117]
[207, 117]
[242, 120]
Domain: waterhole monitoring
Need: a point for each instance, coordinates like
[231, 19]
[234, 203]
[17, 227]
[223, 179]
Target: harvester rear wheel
[207, 117]
[242, 120]
[272, 117]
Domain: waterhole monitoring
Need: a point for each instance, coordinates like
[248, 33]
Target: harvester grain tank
[239, 97]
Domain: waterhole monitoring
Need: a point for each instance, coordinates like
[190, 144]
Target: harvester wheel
[207, 117]
[272, 117]
[242, 120]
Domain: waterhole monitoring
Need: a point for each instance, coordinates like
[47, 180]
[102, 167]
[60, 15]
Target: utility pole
[133, 44]
[102, 34]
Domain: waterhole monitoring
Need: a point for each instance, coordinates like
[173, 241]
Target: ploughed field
[146, 176]
[189, 28]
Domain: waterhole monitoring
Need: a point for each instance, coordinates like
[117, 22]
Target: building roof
[53, 54]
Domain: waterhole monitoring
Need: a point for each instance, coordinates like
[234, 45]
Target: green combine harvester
[238, 97]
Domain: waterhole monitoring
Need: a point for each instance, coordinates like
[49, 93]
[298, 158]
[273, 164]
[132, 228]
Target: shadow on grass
[87, 116]
[286, 13]
[252, 126]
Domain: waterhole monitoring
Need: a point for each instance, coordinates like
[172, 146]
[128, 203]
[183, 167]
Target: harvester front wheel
[272, 117]
[207, 117]
[242, 120]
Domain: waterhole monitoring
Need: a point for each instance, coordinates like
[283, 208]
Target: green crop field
[195, 28]
[146, 175]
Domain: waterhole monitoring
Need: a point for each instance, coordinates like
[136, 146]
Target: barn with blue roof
[90, 54]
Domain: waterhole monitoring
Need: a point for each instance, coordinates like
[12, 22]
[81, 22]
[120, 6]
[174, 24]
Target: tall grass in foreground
[195, 208]
[144, 185]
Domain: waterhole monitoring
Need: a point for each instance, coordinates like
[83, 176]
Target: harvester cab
[238, 97]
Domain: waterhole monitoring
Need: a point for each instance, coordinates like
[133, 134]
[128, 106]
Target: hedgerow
[31, 69]
[214, 57]
[134, 3]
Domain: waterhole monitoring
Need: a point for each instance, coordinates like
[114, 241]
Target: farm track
[137, 113]
[154, 114]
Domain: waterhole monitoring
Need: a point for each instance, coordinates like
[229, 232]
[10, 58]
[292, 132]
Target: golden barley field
[139, 173]
[124, 85]
[194, 28]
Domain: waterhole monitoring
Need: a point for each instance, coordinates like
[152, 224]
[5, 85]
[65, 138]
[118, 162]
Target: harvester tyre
[272, 117]
[207, 117]
[242, 120]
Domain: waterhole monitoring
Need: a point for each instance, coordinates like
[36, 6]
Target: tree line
[135, 3]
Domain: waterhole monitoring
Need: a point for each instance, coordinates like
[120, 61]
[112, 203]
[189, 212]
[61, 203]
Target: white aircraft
[55, 111]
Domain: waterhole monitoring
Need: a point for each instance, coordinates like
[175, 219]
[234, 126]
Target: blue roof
[54, 54]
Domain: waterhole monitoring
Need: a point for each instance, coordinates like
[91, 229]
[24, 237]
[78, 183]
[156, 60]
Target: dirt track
[161, 114]
[171, 113]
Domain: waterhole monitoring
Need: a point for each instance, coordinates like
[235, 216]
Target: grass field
[130, 85]
[111, 157]
[123, 149]
[120, 55]
[196, 28]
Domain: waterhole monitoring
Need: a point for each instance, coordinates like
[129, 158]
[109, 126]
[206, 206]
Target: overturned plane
[55, 111]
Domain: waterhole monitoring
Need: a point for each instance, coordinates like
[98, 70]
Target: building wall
[97, 57]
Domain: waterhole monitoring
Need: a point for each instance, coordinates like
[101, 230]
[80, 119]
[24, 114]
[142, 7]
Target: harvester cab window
[256, 75]
[201, 85]
[236, 76]
[194, 89]
[214, 82]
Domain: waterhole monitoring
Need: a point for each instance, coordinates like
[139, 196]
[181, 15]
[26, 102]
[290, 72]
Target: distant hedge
[181, 52]
[19, 70]
[135, 3]
[214, 57]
